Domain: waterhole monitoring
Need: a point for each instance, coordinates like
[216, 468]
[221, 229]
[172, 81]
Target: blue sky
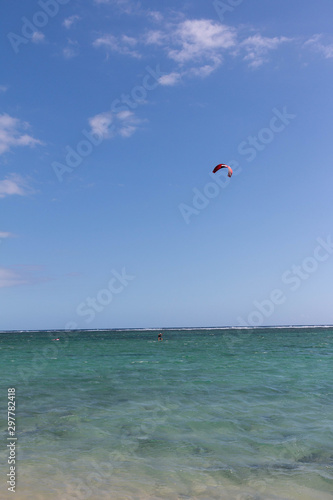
[114, 114]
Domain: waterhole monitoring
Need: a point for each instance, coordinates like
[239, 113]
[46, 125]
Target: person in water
[160, 336]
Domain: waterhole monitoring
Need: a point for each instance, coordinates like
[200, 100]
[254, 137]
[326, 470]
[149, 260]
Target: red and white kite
[223, 165]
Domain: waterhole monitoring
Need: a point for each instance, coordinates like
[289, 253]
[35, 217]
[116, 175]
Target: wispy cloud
[202, 44]
[100, 124]
[258, 47]
[128, 123]
[11, 134]
[72, 50]
[198, 42]
[21, 275]
[3, 88]
[155, 37]
[69, 21]
[155, 16]
[108, 124]
[201, 39]
[126, 6]
[14, 184]
[123, 44]
[170, 79]
[113, 2]
[316, 43]
[4, 235]
[38, 37]
[198, 47]
[8, 278]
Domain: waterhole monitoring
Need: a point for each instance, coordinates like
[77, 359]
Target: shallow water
[205, 414]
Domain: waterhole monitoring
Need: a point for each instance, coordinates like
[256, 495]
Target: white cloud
[197, 41]
[123, 45]
[257, 48]
[11, 134]
[108, 41]
[70, 52]
[316, 44]
[108, 124]
[197, 47]
[205, 70]
[200, 39]
[128, 123]
[69, 21]
[38, 37]
[3, 88]
[14, 184]
[100, 124]
[170, 79]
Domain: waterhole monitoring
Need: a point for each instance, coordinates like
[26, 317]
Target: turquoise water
[205, 414]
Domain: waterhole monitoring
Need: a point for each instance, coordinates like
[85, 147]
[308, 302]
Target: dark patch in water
[317, 458]
[270, 467]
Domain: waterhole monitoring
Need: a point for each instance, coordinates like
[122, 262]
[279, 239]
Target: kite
[223, 165]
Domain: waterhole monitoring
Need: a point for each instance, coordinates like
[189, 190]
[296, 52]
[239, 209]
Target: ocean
[231, 414]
